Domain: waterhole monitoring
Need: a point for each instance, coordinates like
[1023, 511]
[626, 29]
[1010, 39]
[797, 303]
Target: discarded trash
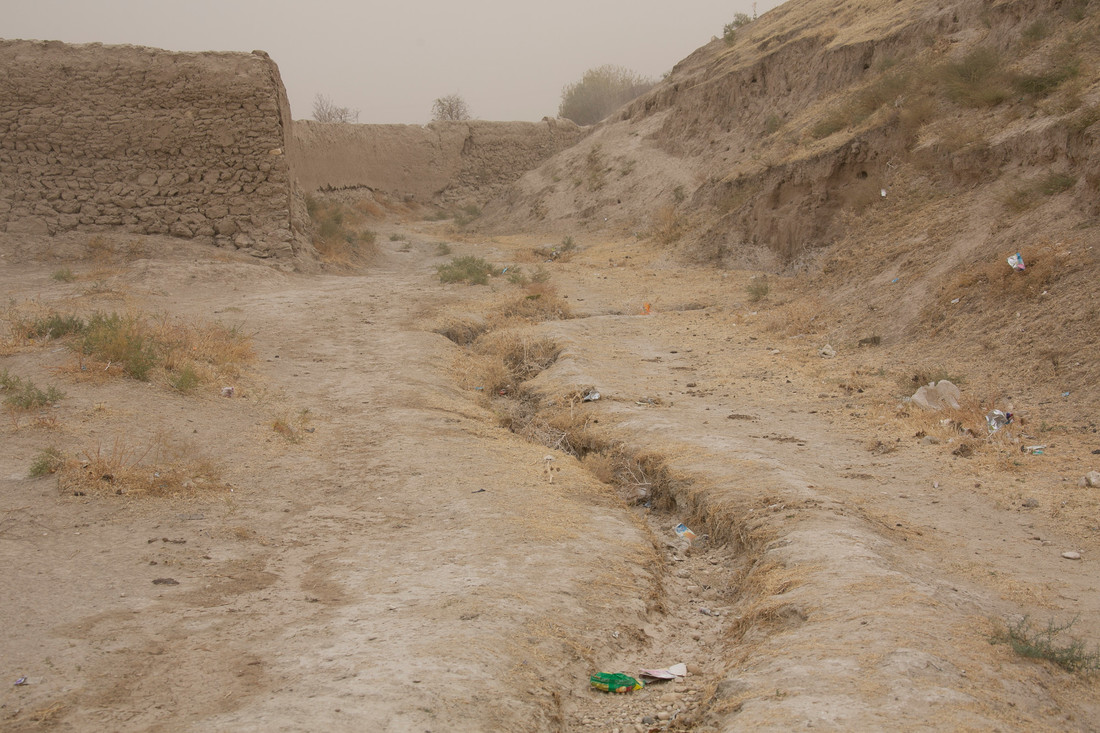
[938, 395]
[882, 191]
[615, 682]
[676, 670]
[827, 351]
[708, 612]
[895, 280]
[997, 420]
[684, 533]
[645, 309]
[1065, 394]
[548, 470]
[21, 681]
[591, 396]
[1016, 262]
[227, 391]
[955, 301]
[1035, 450]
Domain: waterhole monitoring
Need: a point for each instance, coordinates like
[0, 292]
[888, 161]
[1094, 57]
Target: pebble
[1071, 555]
[663, 715]
[648, 720]
[1090, 479]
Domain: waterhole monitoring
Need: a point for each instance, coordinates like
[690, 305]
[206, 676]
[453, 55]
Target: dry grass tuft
[761, 608]
[667, 225]
[160, 469]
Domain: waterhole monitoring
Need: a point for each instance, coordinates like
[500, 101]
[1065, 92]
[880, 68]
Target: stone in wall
[96, 138]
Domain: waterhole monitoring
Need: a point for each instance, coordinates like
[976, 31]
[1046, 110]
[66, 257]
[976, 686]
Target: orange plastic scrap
[645, 309]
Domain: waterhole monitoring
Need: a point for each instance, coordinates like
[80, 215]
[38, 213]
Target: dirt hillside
[886, 159]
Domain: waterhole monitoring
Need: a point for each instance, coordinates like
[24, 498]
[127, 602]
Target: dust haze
[390, 60]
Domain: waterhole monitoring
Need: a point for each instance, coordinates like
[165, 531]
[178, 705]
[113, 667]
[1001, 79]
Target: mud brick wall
[96, 138]
[439, 162]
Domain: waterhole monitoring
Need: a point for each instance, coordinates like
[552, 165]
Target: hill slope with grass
[884, 159]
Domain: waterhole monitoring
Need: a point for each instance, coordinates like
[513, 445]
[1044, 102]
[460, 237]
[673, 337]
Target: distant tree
[325, 110]
[729, 31]
[600, 92]
[451, 108]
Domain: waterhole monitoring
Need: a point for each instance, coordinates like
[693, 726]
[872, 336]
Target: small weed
[293, 428]
[678, 194]
[976, 80]
[47, 462]
[835, 121]
[1036, 32]
[64, 275]
[395, 237]
[120, 340]
[772, 123]
[597, 169]
[22, 394]
[55, 326]
[628, 167]
[468, 269]
[729, 30]
[159, 469]
[567, 244]
[1027, 641]
[1055, 183]
[466, 215]
[336, 235]
[442, 249]
[185, 380]
[758, 289]
[667, 226]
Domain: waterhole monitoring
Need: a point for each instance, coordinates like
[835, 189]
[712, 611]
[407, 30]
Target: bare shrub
[325, 110]
[451, 108]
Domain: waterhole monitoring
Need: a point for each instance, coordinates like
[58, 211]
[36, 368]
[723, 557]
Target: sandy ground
[403, 562]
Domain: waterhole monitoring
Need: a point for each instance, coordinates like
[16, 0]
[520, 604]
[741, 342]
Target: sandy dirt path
[404, 563]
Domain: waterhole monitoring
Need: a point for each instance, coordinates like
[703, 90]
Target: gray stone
[1090, 479]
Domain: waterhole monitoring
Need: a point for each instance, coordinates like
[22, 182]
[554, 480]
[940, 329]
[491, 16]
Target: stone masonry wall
[97, 137]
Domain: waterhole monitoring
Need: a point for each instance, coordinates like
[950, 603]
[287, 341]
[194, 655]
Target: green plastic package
[609, 682]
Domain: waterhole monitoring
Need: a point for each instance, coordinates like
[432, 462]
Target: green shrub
[729, 30]
[469, 269]
[119, 340]
[47, 462]
[185, 380]
[24, 395]
[55, 326]
[758, 289]
[64, 275]
[976, 80]
[1027, 641]
[442, 249]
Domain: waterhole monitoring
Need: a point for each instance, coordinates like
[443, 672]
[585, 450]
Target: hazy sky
[508, 58]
